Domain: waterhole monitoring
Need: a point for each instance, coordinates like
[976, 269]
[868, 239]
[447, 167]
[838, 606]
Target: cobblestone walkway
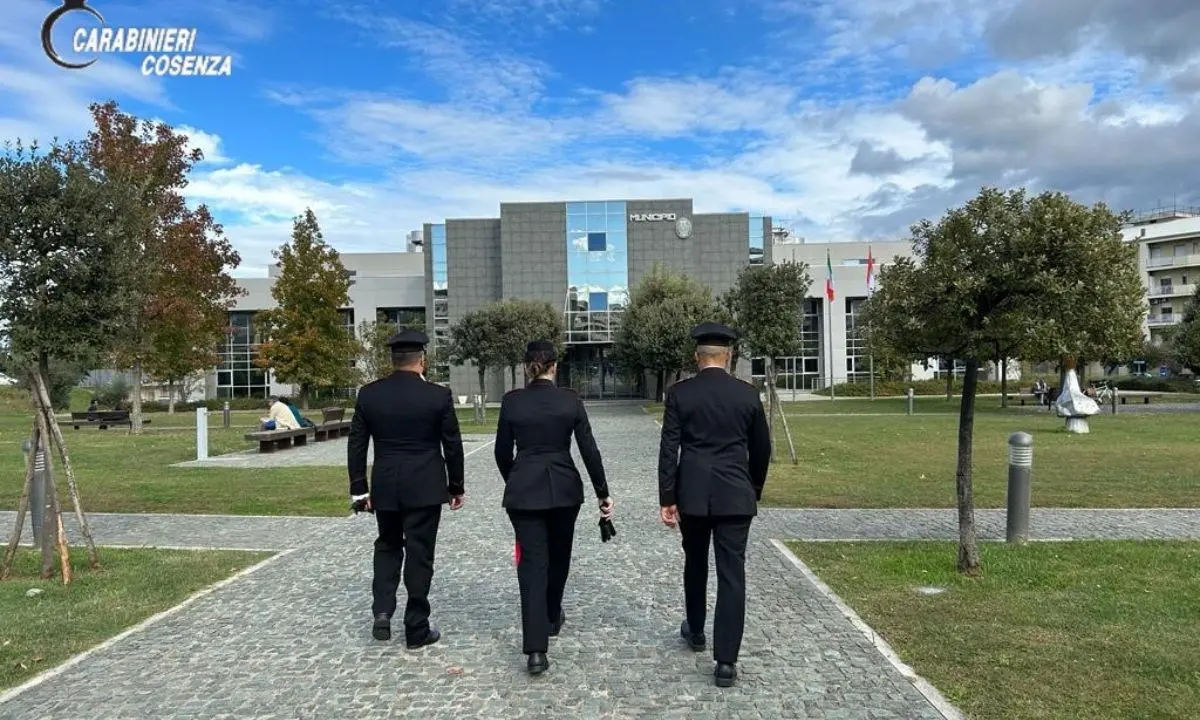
[292, 639]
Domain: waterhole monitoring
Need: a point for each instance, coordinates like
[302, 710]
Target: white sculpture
[1074, 405]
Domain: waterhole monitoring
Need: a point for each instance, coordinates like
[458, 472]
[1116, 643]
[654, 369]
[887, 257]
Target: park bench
[333, 424]
[1145, 396]
[103, 418]
[1025, 395]
[272, 440]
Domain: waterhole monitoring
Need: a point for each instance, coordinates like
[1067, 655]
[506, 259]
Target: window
[237, 375]
[756, 240]
[597, 270]
[802, 372]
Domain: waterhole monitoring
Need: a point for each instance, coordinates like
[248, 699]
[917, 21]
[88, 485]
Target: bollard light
[201, 433]
[225, 419]
[37, 490]
[1020, 471]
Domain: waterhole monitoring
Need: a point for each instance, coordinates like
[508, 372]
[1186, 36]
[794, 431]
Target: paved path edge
[923, 686]
[140, 626]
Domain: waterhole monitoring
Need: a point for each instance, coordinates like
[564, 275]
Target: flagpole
[870, 291]
[829, 326]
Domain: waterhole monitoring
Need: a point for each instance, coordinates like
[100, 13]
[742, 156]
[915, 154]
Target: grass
[43, 631]
[864, 454]
[119, 472]
[1051, 630]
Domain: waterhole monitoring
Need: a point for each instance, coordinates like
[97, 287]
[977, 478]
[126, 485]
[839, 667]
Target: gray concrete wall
[473, 265]
[533, 251]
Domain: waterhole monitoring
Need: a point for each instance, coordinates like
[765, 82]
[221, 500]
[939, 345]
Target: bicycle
[1104, 393]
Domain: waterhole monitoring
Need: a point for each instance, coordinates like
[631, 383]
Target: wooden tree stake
[72, 487]
[783, 418]
[22, 507]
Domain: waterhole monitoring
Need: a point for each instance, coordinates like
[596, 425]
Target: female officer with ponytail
[543, 491]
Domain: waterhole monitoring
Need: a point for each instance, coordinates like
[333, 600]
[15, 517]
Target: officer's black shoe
[694, 640]
[538, 663]
[381, 629]
[431, 636]
[556, 626]
[725, 674]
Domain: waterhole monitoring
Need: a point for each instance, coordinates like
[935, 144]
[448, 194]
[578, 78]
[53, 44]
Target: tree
[516, 323]
[473, 340]
[654, 334]
[376, 358]
[1184, 348]
[177, 258]
[1001, 274]
[63, 300]
[768, 307]
[308, 344]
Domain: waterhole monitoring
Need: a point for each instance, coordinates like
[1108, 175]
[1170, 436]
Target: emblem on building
[683, 228]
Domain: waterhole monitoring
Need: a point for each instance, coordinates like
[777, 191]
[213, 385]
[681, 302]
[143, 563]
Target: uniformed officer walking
[543, 492]
[418, 467]
[712, 465]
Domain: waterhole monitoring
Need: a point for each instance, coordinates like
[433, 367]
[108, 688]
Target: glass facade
[756, 240]
[597, 271]
[237, 375]
[440, 337]
[402, 317]
[858, 359]
[803, 371]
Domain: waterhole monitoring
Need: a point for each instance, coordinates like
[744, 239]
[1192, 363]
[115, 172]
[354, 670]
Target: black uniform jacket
[540, 420]
[418, 447]
[715, 447]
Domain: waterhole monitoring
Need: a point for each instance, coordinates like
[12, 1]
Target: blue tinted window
[596, 242]
[598, 301]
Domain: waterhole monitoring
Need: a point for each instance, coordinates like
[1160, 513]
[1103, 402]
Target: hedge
[898, 388]
[1158, 384]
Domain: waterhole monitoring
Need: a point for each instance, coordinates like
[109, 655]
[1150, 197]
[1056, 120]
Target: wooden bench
[333, 424]
[103, 418]
[1026, 395]
[272, 440]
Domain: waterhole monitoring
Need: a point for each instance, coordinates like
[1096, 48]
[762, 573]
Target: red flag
[828, 277]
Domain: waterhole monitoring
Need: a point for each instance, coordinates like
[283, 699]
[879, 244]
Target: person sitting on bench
[280, 417]
[304, 422]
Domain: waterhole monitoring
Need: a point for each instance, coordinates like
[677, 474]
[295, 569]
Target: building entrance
[591, 372]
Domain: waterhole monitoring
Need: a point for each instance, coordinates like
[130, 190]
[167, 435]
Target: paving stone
[187, 531]
[292, 640]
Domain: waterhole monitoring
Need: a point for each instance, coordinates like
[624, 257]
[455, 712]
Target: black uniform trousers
[729, 536]
[414, 530]
[545, 537]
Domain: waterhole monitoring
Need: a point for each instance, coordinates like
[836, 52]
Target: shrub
[1158, 384]
[898, 388]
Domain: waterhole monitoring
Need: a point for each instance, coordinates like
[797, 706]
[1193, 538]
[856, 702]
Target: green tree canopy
[1184, 347]
[654, 334]
[309, 345]
[1006, 275]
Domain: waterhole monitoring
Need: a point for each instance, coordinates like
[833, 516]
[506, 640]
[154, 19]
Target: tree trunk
[949, 379]
[72, 487]
[660, 389]
[170, 397]
[14, 540]
[968, 551]
[783, 419]
[1004, 382]
[135, 411]
[304, 392]
[769, 384]
[480, 411]
[513, 373]
[52, 518]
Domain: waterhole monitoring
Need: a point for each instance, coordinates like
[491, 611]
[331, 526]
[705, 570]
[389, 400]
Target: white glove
[356, 498]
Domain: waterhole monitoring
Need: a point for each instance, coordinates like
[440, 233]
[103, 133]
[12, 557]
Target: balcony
[1155, 263]
[1172, 291]
[1164, 319]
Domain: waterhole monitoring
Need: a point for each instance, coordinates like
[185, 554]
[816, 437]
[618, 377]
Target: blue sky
[844, 119]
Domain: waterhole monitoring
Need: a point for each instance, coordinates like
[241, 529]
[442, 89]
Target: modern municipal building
[582, 257]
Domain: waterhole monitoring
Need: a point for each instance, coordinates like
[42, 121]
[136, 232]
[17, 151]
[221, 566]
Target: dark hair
[539, 356]
[406, 358]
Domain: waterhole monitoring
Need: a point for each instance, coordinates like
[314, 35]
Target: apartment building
[1168, 243]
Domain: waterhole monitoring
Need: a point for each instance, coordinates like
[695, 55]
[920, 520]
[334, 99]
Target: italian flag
[870, 272]
[828, 277]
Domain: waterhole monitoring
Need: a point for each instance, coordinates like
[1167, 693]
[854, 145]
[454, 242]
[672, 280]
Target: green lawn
[43, 631]
[1051, 630]
[119, 472]
[859, 453]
